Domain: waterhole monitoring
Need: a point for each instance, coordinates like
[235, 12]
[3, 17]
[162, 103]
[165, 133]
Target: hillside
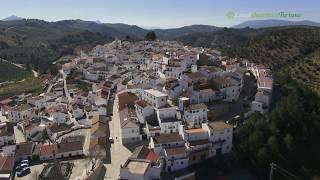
[6, 74]
[274, 23]
[307, 71]
[37, 43]
[272, 46]
[281, 135]
[12, 18]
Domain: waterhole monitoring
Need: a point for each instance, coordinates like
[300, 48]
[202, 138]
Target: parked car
[111, 140]
[24, 172]
[24, 162]
[23, 165]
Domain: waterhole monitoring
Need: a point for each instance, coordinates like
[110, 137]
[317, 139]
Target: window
[194, 158]
[182, 163]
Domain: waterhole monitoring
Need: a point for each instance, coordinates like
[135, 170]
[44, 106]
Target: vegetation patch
[9, 72]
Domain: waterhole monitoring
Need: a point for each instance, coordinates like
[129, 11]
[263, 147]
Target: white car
[24, 165]
[111, 140]
[23, 172]
[24, 162]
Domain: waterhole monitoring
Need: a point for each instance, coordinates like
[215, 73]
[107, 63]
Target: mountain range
[12, 18]
[169, 33]
[256, 24]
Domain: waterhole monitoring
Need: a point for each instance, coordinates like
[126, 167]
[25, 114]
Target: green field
[9, 72]
[28, 85]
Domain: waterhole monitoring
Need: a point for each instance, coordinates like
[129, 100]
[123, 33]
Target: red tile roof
[152, 156]
[6, 164]
[47, 150]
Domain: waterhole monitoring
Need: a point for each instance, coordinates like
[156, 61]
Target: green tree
[288, 139]
[151, 36]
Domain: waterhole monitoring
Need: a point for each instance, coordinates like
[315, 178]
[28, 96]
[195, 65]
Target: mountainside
[37, 43]
[274, 23]
[12, 18]
[164, 34]
[169, 34]
[273, 46]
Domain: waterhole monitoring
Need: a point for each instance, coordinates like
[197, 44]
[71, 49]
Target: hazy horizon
[159, 14]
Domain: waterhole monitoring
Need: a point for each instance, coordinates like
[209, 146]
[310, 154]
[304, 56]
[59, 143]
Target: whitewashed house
[130, 131]
[194, 115]
[177, 158]
[158, 143]
[143, 110]
[167, 118]
[154, 97]
[21, 112]
[220, 135]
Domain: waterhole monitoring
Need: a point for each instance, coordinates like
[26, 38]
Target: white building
[158, 143]
[138, 169]
[176, 158]
[130, 132]
[167, 118]
[154, 97]
[229, 89]
[22, 112]
[142, 164]
[207, 95]
[220, 135]
[196, 114]
[143, 110]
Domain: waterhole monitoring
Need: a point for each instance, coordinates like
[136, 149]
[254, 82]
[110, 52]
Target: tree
[128, 38]
[273, 144]
[151, 36]
[288, 139]
[45, 135]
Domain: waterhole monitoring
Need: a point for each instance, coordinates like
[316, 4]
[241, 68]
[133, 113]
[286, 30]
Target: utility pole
[281, 171]
[271, 171]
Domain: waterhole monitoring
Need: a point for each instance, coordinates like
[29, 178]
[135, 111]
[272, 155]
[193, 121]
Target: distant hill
[12, 18]
[38, 43]
[164, 34]
[168, 34]
[274, 23]
[276, 46]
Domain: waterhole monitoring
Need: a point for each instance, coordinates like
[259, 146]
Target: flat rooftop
[156, 93]
[137, 167]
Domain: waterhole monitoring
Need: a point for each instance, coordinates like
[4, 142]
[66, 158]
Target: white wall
[129, 135]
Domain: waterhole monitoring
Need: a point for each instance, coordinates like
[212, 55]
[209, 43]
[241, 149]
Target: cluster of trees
[151, 36]
[288, 135]
[40, 58]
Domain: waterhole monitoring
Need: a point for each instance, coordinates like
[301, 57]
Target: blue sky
[157, 13]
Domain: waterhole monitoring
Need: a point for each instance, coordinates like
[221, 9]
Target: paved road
[18, 135]
[65, 85]
[119, 153]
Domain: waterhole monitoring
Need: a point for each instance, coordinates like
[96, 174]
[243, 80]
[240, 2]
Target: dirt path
[21, 66]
